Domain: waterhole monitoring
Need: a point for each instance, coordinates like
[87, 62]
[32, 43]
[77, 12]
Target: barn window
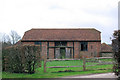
[60, 43]
[37, 43]
[84, 46]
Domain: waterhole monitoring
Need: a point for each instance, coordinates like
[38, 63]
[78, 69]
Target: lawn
[60, 72]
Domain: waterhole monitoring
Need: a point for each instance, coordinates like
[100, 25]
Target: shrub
[19, 59]
[116, 50]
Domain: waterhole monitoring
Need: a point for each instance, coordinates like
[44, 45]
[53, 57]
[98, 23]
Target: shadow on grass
[77, 71]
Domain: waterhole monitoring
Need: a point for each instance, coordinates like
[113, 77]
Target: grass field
[55, 72]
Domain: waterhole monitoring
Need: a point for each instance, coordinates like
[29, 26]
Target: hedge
[21, 59]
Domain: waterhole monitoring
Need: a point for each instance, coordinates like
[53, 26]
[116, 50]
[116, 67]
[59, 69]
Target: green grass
[106, 59]
[53, 72]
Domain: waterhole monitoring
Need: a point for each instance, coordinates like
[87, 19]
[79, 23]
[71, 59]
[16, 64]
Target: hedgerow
[21, 58]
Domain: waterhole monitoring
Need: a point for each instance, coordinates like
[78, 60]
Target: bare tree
[14, 37]
[6, 41]
[6, 38]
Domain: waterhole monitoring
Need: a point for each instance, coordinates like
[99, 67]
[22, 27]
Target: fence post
[84, 62]
[45, 65]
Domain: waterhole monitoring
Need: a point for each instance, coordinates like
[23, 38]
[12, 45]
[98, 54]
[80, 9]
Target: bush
[21, 59]
[116, 50]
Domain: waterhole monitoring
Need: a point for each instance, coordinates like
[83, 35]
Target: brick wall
[98, 48]
[44, 50]
[27, 42]
[51, 50]
[69, 43]
[76, 49]
[94, 49]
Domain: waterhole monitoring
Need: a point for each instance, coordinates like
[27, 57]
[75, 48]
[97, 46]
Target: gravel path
[102, 75]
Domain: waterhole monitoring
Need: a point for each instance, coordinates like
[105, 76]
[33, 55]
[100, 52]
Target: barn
[106, 50]
[65, 43]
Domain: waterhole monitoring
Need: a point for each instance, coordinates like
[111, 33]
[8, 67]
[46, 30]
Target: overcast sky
[22, 15]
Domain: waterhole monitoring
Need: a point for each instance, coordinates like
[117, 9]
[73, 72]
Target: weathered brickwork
[51, 53]
[27, 42]
[76, 49]
[84, 54]
[44, 50]
[69, 43]
[94, 49]
[51, 50]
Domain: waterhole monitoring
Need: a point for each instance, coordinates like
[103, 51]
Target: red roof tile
[106, 48]
[62, 34]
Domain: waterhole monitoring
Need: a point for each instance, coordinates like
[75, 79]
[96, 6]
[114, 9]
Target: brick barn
[65, 43]
[106, 50]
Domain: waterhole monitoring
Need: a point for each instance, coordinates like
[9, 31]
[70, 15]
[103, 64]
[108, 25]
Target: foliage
[116, 49]
[6, 44]
[21, 59]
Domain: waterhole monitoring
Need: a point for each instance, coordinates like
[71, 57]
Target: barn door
[62, 53]
[68, 53]
[57, 53]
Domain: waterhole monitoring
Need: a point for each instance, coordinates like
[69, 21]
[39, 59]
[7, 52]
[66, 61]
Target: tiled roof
[105, 48]
[79, 34]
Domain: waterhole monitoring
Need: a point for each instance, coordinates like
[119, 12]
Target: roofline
[61, 40]
[60, 29]
[63, 29]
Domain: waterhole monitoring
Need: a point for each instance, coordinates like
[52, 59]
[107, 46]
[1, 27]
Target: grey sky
[22, 15]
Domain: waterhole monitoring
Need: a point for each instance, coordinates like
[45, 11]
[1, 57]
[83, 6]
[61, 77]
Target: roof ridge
[62, 28]
[65, 29]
